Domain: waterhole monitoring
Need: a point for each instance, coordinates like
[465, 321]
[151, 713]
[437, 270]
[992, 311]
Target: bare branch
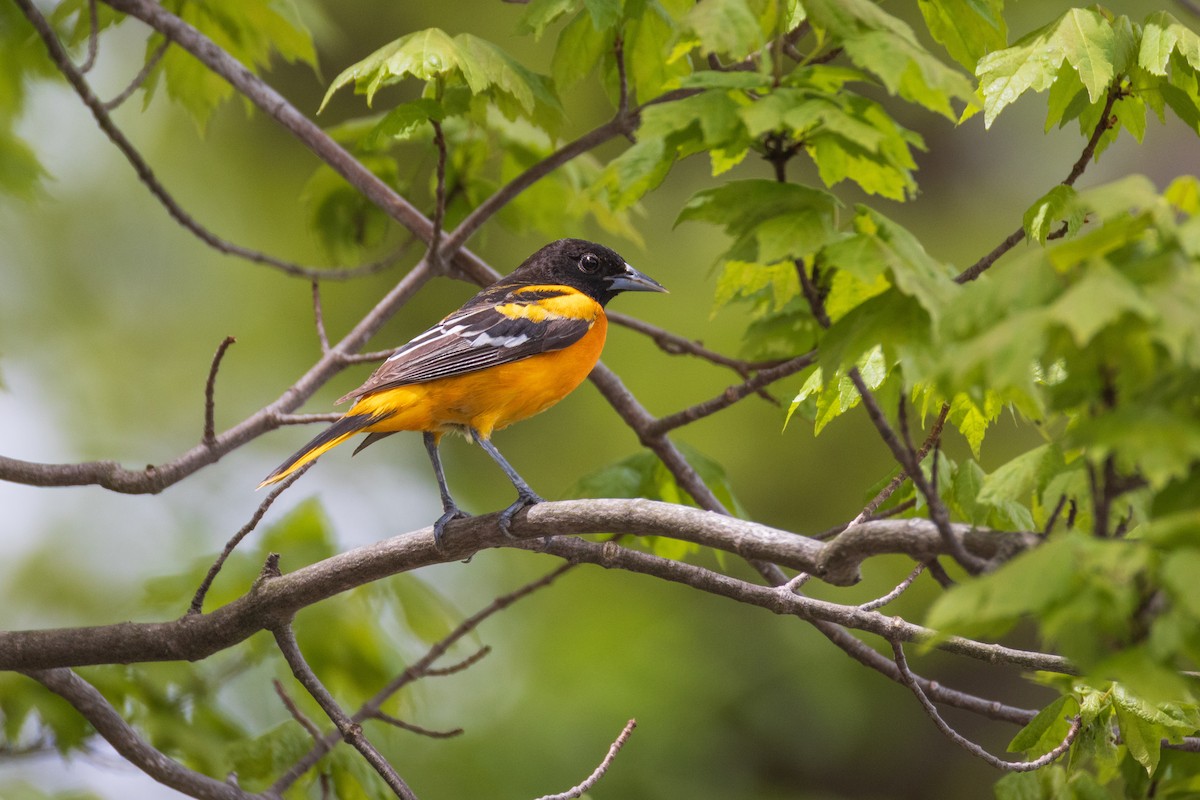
[904, 454]
[396, 722]
[640, 420]
[93, 42]
[295, 711]
[676, 345]
[1013, 239]
[270, 602]
[319, 317]
[967, 744]
[140, 78]
[439, 207]
[146, 175]
[454, 241]
[155, 478]
[350, 730]
[585, 786]
[901, 587]
[125, 740]
[202, 591]
[730, 396]
[209, 438]
[421, 668]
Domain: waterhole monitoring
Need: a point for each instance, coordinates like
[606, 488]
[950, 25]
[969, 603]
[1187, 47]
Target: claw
[524, 500]
[439, 527]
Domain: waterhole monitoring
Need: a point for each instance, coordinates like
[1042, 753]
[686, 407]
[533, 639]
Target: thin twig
[1054, 515]
[466, 663]
[880, 602]
[676, 345]
[140, 78]
[582, 788]
[972, 748]
[350, 730]
[295, 711]
[907, 459]
[454, 240]
[198, 599]
[622, 77]
[1013, 239]
[439, 206]
[728, 397]
[396, 722]
[416, 670]
[812, 294]
[210, 433]
[319, 317]
[93, 42]
[146, 175]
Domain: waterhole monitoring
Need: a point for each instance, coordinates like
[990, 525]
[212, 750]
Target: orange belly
[490, 399]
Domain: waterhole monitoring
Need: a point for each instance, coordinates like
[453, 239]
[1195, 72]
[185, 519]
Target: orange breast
[490, 399]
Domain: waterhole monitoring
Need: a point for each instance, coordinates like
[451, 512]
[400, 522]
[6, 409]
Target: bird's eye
[589, 262]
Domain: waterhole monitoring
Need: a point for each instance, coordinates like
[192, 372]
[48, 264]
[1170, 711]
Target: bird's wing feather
[482, 335]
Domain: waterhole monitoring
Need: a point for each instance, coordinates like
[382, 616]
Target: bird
[512, 351]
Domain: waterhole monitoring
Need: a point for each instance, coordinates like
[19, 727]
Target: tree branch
[421, 668]
[210, 437]
[125, 740]
[582, 788]
[273, 602]
[1013, 239]
[350, 730]
[967, 744]
[146, 175]
[155, 478]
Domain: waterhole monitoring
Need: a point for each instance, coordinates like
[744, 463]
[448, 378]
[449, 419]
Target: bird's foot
[439, 527]
[524, 500]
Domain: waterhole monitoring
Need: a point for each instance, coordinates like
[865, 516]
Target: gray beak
[630, 280]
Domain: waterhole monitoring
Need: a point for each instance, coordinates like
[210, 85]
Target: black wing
[487, 332]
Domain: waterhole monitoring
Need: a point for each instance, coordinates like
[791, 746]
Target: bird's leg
[451, 511]
[525, 496]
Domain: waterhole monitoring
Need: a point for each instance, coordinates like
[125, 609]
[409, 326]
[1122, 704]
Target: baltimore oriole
[512, 351]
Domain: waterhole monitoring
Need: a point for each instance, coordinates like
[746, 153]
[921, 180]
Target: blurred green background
[110, 313]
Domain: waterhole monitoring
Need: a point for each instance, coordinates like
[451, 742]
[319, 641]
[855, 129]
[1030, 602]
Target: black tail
[331, 437]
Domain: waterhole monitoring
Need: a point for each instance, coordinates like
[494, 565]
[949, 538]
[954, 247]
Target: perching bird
[512, 351]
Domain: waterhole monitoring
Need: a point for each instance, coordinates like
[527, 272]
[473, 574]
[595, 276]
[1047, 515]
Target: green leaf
[427, 613]
[252, 31]
[541, 14]
[1179, 571]
[1162, 36]
[881, 246]
[1042, 215]
[1139, 733]
[989, 606]
[769, 221]
[345, 222]
[887, 47]
[1047, 729]
[581, 47]
[20, 172]
[649, 37]
[433, 56]
[968, 29]
[972, 420]
[403, 122]
[1081, 37]
[724, 26]
[1100, 298]
[1012, 487]
[644, 475]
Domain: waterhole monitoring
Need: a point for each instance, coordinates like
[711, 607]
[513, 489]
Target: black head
[591, 268]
